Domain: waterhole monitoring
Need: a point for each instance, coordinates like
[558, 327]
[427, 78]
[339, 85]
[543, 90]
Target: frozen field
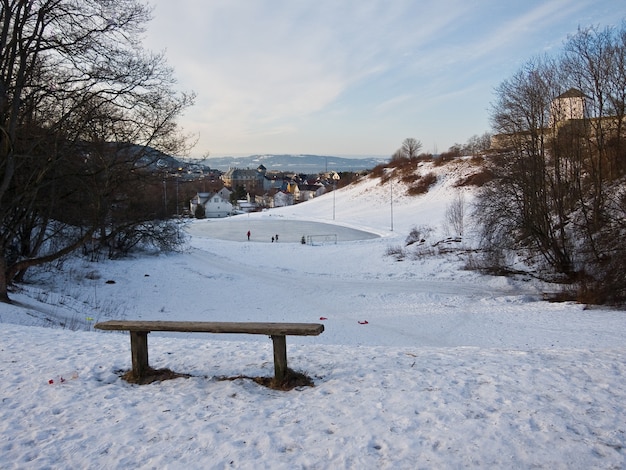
[263, 229]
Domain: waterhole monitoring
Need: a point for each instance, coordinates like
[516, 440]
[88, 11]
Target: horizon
[245, 155]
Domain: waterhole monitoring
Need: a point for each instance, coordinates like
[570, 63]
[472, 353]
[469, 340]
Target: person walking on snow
[248, 235]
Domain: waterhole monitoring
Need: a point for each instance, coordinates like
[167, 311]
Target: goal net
[321, 239]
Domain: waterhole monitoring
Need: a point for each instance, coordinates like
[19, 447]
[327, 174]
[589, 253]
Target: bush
[448, 156]
[418, 235]
[477, 179]
[378, 171]
[396, 251]
[165, 236]
[422, 185]
[200, 212]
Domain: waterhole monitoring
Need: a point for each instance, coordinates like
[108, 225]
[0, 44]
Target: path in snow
[291, 282]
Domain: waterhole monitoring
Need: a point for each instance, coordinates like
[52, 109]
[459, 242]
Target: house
[252, 181]
[310, 191]
[272, 183]
[293, 189]
[247, 205]
[265, 200]
[283, 198]
[225, 193]
[215, 205]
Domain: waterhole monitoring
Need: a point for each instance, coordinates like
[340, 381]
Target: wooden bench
[277, 331]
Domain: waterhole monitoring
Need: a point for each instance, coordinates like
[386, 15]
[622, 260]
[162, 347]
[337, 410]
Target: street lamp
[335, 179]
[391, 200]
[165, 195]
[389, 173]
[180, 169]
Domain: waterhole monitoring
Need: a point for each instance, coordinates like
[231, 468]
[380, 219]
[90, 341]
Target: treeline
[557, 202]
[76, 89]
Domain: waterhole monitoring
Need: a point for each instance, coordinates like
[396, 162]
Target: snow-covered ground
[422, 364]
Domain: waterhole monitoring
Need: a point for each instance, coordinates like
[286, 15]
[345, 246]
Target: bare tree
[410, 148]
[534, 215]
[397, 155]
[556, 194]
[455, 214]
[80, 102]
[477, 145]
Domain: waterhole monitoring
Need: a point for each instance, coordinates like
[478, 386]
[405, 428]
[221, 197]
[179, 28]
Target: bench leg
[139, 352]
[280, 357]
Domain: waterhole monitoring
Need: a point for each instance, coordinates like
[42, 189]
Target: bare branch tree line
[80, 102]
[558, 199]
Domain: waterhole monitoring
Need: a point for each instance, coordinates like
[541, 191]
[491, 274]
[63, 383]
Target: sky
[344, 78]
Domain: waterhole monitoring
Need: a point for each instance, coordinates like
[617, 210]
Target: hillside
[371, 202]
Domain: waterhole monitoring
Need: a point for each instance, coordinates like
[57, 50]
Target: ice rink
[262, 230]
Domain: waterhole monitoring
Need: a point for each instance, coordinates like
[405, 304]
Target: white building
[570, 105]
[215, 205]
[283, 198]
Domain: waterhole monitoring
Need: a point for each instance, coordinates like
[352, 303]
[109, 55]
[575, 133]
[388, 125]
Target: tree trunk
[4, 292]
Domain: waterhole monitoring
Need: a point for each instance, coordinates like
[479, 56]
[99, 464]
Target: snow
[452, 369]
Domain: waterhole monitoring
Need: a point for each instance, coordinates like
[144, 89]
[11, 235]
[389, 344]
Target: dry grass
[447, 157]
[402, 166]
[152, 375]
[378, 171]
[422, 184]
[292, 379]
[477, 179]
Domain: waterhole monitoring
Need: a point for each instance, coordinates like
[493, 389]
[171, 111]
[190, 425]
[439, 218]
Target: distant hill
[308, 164]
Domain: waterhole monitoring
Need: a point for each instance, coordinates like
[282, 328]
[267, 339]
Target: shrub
[477, 179]
[422, 185]
[410, 178]
[418, 235]
[378, 171]
[200, 212]
[448, 156]
[395, 251]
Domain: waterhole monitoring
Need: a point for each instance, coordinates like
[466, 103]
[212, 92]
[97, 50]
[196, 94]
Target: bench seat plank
[258, 328]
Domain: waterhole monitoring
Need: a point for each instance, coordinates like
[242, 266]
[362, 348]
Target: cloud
[514, 30]
[285, 69]
[293, 57]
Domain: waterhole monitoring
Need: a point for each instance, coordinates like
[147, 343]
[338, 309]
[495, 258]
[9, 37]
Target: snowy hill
[422, 364]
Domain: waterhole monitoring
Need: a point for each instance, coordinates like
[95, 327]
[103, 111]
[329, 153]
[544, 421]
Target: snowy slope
[452, 369]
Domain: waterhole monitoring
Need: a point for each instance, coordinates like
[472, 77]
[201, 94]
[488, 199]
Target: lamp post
[178, 173]
[335, 179]
[165, 195]
[177, 180]
[391, 200]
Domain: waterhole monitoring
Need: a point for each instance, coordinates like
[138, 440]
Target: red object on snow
[364, 322]
[323, 318]
[50, 381]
